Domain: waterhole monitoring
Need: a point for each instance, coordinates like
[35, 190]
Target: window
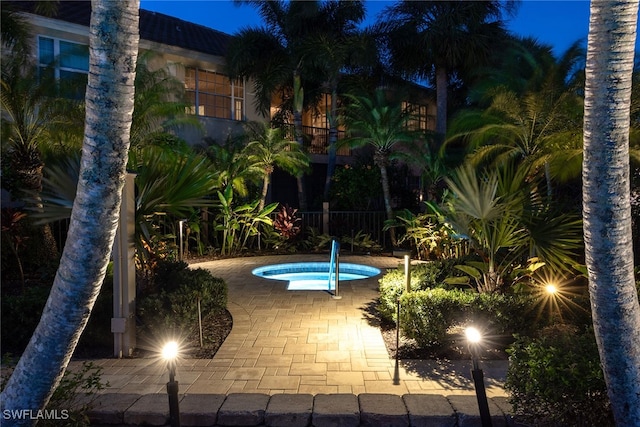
[67, 62]
[212, 94]
[420, 119]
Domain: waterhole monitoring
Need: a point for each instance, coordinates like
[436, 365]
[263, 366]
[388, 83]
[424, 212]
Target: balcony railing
[316, 140]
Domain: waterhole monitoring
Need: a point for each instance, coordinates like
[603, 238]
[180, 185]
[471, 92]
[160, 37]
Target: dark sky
[558, 23]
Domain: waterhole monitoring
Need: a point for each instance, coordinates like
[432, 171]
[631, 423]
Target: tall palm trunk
[333, 140]
[380, 159]
[265, 189]
[113, 51]
[606, 203]
[441, 105]
[298, 102]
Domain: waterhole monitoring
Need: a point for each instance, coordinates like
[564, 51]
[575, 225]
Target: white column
[123, 324]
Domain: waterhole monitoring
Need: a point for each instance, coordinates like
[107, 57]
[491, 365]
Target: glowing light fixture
[170, 353]
[474, 337]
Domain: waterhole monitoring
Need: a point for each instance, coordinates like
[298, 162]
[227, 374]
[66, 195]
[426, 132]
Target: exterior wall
[175, 57]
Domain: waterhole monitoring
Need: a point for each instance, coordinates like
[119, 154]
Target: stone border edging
[300, 410]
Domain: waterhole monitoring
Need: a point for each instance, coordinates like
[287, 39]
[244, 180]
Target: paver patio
[300, 342]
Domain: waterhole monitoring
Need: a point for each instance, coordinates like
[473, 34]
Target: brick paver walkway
[300, 342]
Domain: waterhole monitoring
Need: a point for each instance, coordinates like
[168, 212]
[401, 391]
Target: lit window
[420, 119]
[212, 94]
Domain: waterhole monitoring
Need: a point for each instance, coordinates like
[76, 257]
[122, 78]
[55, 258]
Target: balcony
[316, 140]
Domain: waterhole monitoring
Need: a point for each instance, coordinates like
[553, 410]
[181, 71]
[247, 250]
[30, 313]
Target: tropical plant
[498, 212]
[529, 125]
[269, 148]
[430, 235]
[13, 232]
[606, 203]
[96, 208]
[238, 223]
[188, 175]
[431, 166]
[160, 104]
[361, 241]
[273, 57]
[33, 117]
[380, 122]
[231, 165]
[337, 47]
[442, 38]
[287, 223]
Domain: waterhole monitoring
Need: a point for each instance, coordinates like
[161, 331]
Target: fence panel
[348, 223]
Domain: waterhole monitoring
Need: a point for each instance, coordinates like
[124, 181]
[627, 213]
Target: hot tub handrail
[334, 267]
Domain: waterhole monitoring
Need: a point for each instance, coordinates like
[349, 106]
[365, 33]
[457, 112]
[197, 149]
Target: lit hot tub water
[314, 275]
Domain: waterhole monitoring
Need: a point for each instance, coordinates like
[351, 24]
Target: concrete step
[299, 410]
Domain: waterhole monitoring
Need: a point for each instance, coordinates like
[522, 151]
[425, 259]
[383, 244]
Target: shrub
[429, 312]
[427, 315]
[97, 338]
[175, 303]
[393, 283]
[504, 314]
[73, 397]
[556, 379]
[20, 316]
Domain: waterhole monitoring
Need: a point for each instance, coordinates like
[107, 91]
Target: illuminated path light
[474, 337]
[170, 353]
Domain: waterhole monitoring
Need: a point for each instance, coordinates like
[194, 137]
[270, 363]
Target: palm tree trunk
[113, 51]
[333, 140]
[297, 125]
[441, 105]
[265, 190]
[381, 161]
[606, 203]
[29, 171]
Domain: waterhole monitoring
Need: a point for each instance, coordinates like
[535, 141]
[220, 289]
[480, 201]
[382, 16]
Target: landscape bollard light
[180, 233]
[474, 337]
[551, 289]
[170, 354]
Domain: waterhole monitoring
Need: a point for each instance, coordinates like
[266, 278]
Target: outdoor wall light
[170, 353]
[474, 338]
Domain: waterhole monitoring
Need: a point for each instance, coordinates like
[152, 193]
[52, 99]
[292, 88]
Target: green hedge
[174, 305]
[432, 308]
[557, 379]
[393, 283]
[428, 315]
[21, 314]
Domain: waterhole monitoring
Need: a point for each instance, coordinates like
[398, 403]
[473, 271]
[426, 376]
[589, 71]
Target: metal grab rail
[334, 269]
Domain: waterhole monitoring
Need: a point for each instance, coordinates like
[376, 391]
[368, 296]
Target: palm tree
[338, 46]
[441, 40]
[232, 166]
[431, 166]
[273, 56]
[33, 118]
[606, 203]
[96, 209]
[269, 148]
[160, 104]
[507, 223]
[379, 122]
[530, 122]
